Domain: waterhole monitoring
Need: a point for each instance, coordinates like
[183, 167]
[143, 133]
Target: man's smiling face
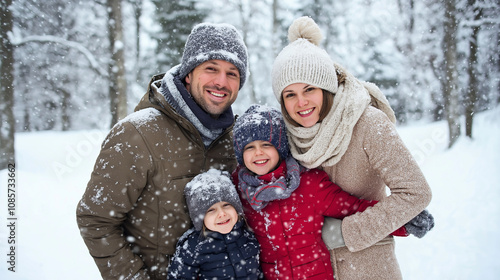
[214, 86]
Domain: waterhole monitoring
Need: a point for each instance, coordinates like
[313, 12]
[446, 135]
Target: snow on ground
[465, 182]
[53, 169]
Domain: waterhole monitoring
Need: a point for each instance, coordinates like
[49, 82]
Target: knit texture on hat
[209, 41]
[209, 188]
[303, 61]
[260, 123]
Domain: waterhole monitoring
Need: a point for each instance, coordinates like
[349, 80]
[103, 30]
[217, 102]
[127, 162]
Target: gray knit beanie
[206, 189]
[303, 61]
[209, 41]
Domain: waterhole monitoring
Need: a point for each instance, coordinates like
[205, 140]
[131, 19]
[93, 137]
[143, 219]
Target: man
[133, 210]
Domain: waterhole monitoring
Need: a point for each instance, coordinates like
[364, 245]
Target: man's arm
[120, 173]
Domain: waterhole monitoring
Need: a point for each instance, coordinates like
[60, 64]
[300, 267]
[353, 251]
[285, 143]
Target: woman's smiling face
[303, 103]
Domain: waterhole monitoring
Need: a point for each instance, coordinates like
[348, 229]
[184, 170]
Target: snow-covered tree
[480, 18]
[64, 56]
[60, 62]
[116, 66]
[259, 22]
[176, 19]
[7, 153]
[450, 69]
[474, 14]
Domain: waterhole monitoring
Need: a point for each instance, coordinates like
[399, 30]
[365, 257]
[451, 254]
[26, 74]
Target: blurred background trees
[72, 65]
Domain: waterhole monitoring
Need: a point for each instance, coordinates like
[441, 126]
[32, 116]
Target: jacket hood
[153, 97]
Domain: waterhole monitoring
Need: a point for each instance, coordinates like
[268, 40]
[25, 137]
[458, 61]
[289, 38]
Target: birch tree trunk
[137, 6]
[276, 25]
[472, 90]
[117, 79]
[250, 83]
[450, 91]
[7, 152]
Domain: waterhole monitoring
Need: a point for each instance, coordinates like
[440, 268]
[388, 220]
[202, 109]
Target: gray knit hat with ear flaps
[209, 41]
[303, 61]
[206, 189]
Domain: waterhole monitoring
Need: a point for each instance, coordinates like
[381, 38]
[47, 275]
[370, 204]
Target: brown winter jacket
[375, 158]
[133, 210]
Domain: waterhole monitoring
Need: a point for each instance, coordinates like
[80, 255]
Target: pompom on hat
[206, 189]
[260, 123]
[209, 41]
[303, 61]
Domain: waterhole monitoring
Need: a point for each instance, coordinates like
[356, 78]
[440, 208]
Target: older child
[285, 203]
[220, 246]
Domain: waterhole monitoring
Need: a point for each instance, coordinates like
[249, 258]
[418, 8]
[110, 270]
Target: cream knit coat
[376, 157]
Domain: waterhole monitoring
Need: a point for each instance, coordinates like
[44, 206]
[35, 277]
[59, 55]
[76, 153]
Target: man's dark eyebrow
[215, 63]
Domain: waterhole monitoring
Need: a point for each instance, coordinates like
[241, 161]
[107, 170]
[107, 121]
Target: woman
[346, 127]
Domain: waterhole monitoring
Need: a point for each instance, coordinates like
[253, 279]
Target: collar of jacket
[230, 237]
[223, 121]
[276, 173]
[154, 99]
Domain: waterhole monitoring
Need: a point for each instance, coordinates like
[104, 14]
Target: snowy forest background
[73, 65]
[69, 70]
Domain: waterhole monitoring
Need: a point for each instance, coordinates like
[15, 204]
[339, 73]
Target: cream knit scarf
[326, 142]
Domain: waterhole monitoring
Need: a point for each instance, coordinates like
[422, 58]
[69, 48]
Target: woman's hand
[421, 224]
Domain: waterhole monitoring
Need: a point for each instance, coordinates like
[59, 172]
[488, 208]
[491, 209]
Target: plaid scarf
[259, 192]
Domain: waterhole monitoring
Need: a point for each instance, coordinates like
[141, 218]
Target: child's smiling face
[260, 157]
[221, 217]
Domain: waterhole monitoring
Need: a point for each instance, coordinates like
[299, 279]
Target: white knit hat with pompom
[303, 61]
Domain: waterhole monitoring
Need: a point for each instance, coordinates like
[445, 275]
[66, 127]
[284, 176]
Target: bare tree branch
[70, 44]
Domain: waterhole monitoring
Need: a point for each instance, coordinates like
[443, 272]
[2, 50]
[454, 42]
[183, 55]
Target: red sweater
[289, 230]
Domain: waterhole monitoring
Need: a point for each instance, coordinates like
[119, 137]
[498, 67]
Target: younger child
[285, 203]
[220, 246]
